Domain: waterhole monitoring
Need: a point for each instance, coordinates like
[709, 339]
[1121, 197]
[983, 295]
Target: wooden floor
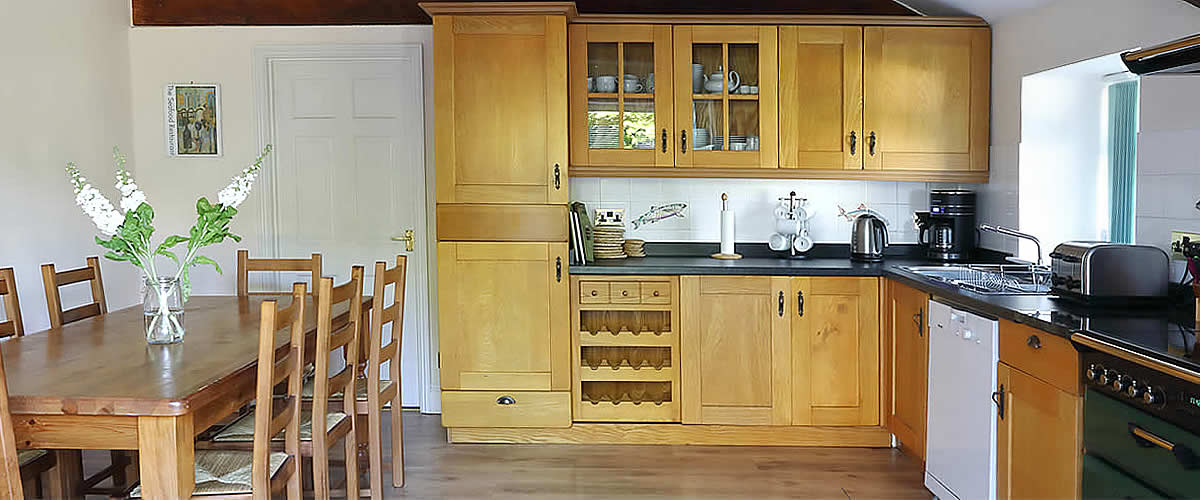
[439, 470]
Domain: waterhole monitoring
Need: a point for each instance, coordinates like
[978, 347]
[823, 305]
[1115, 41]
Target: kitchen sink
[990, 279]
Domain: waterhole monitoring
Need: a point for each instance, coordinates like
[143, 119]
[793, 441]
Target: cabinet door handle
[557, 177]
[919, 319]
[683, 142]
[1034, 342]
[853, 142]
[665, 140]
[780, 304]
[506, 400]
[998, 398]
[800, 302]
[558, 269]
[1184, 455]
[871, 144]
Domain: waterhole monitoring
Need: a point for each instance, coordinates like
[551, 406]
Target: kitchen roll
[727, 220]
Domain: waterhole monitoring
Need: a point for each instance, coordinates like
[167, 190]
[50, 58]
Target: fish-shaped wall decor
[661, 212]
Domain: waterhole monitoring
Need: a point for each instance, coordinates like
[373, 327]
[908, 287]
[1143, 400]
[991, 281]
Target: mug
[752, 143]
[752, 89]
[737, 146]
[591, 84]
[778, 242]
[697, 78]
[650, 83]
[607, 84]
[633, 87]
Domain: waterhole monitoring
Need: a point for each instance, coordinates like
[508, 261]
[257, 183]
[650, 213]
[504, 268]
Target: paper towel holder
[724, 210]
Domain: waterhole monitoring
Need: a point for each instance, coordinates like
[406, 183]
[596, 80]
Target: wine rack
[626, 366]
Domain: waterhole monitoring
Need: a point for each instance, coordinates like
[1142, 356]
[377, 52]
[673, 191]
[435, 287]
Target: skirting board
[717, 435]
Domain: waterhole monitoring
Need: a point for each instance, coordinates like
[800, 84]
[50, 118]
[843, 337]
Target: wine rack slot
[617, 357]
[616, 393]
[654, 322]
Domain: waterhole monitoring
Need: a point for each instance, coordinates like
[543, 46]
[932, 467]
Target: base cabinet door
[906, 317]
[504, 316]
[835, 351]
[735, 350]
[1038, 449]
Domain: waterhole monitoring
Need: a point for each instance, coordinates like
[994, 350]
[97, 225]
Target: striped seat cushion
[221, 472]
[243, 428]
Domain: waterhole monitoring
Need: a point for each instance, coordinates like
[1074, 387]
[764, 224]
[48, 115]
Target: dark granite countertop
[1165, 333]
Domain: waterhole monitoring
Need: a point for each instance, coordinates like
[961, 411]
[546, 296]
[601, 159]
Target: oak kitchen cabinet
[1038, 421]
[820, 97]
[736, 350]
[835, 351]
[906, 315]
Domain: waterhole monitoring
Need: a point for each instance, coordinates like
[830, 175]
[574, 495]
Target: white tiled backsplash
[754, 201]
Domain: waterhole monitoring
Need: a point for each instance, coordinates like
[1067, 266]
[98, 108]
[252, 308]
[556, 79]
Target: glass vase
[162, 309]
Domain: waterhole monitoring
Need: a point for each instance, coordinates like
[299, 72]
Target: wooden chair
[10, 482]
[246, 265]
[12, 324]
[260, 472]
[378, 391]
[53, 280]
[316, 440]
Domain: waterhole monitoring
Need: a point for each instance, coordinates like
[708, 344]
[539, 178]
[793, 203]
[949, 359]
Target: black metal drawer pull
[557, 177]
[665, 139]
[800, 302]
[506, 400]
[919, 319]
[853, 142]
[871, 144]
[683, 142]
[781, 304]
[1034, 342]
[998, 398]
[558, 270]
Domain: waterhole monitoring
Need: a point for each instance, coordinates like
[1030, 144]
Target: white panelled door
[350, 176]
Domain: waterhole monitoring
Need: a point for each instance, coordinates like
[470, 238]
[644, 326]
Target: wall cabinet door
[926, 98]
[735, 350]
[906, 316]
[621, 98]
[504, 316]
[500, 100]
[835, 351]
[820, 97]
[726, 96]
[1038, 448]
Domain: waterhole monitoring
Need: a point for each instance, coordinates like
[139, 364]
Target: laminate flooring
[437, 470]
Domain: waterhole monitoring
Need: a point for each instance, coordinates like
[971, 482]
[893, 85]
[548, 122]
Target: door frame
[265, 57]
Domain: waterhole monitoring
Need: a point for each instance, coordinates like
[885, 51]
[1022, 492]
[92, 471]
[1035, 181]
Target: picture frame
[193, 120]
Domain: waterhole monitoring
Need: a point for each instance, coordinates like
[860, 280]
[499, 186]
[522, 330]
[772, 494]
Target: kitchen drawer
[656, 293]
[624, 293]
[593, 292]
[485, 409]
[1044, 355]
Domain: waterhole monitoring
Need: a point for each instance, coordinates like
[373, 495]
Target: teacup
[751, 89]
[737, 146]
[606, 84]
[591, 85]
[650, 83]
[633, 87]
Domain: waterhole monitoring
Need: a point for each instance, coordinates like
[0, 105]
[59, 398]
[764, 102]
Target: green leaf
[200, 259]
[114, 256]
[145, 212]
[185, 285]
[203, 206]
[169, 254]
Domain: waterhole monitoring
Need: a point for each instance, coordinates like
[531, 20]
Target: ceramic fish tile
[661, 212]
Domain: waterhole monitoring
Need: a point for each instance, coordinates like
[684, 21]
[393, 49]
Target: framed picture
[193, 118]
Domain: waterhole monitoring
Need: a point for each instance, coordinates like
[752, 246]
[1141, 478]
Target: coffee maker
[948, 229]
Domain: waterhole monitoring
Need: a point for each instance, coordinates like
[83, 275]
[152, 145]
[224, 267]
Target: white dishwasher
[960, 447]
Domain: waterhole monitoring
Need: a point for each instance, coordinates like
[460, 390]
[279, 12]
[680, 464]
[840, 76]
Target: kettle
[868, 238]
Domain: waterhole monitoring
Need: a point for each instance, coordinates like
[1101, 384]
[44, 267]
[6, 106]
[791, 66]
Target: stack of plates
[635, 248]
[603, 137]
[609, 242]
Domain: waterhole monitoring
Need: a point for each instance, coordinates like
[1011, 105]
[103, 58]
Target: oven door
[1136, 445]
[1102, 480]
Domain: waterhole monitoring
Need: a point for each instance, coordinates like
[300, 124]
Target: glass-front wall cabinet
[621, 76]
[726, 96]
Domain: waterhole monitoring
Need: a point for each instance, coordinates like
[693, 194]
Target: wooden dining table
[97, 384]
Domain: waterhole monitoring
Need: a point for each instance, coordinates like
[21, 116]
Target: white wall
[225, 55]
[1168, 160]
[65, 91]
[754, 201]
[1064, 32]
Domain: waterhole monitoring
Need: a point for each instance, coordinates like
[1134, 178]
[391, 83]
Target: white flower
[131, 196]
[94, 204]
[239, 187]
[132, 200]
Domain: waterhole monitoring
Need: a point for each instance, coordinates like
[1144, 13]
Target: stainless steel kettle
[868, 239]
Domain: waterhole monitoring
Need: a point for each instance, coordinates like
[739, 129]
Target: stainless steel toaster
[1092, 270]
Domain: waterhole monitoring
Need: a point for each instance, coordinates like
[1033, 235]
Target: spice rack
[626, 351]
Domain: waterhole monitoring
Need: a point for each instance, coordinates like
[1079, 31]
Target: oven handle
[1183, 454]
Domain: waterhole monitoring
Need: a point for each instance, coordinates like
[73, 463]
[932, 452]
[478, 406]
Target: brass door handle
[408, 239]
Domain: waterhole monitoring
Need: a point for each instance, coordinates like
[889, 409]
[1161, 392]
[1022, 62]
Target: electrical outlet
[1184, 245]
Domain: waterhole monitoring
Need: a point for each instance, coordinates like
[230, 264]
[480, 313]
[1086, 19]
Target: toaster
[1097, 270]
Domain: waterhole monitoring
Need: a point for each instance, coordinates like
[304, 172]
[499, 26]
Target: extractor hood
[1179, 56]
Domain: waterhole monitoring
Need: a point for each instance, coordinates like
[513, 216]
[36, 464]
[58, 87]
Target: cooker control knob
[1119, 384]
[1135, 390]
[1109, 376]
[1152, 396]
[1094, 371]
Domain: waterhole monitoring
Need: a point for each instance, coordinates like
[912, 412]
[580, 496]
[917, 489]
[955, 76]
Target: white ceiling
[989, 10]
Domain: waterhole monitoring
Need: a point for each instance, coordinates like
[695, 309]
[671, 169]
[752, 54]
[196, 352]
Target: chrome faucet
[1015, 234]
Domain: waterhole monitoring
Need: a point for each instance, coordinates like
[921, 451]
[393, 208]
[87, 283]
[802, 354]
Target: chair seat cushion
[25, 457]
[360, 387]
[222, 472]
[243, 428]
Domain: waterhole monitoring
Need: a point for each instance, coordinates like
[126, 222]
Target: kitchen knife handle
[780, 304]
[800, 302]
[998, 398]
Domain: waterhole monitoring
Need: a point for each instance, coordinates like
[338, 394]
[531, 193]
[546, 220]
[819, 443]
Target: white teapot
[712, 83]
